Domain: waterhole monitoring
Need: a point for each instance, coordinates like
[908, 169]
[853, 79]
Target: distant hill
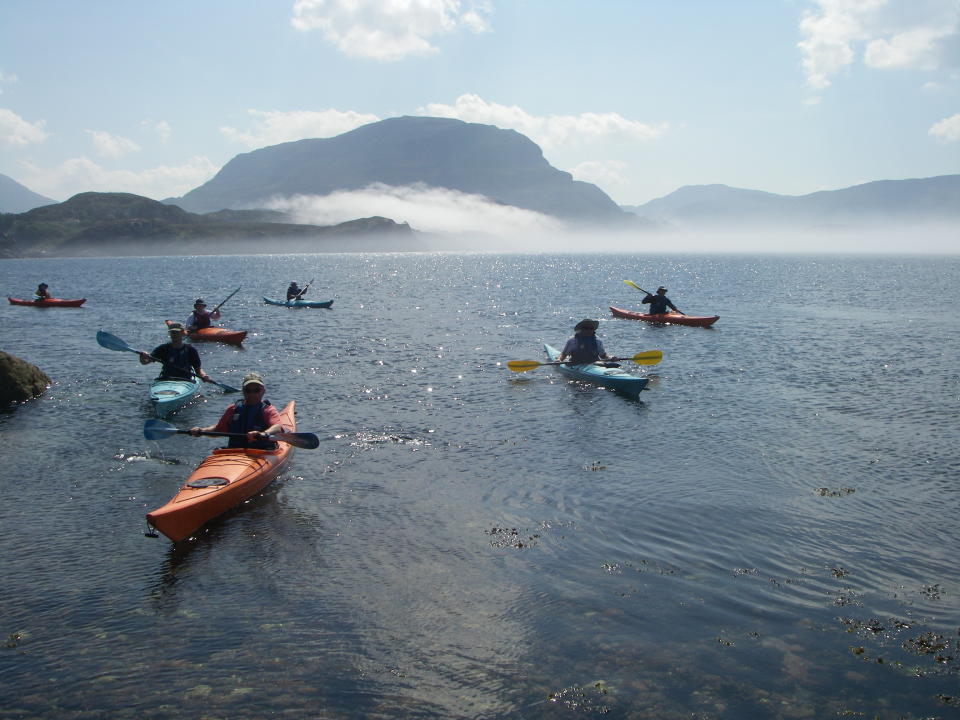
[502, 165]
[15, 198]
[114, 224]
[880, 203]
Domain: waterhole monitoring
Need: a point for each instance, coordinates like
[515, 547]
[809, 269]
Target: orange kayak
[216, 334]
[222, 481]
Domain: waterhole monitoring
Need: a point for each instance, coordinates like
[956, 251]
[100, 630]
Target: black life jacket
[246, 418]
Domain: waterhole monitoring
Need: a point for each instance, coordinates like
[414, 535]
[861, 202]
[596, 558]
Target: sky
[640, 97]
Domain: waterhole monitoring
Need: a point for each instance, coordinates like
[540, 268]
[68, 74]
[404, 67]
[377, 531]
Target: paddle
[637, 287]
[650, 357]
[112, 342]
[155, 429]
[303, 290]
[224, 300]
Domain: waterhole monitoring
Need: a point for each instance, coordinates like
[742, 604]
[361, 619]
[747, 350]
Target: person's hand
[195, 431]
[255, 435]
[206, 378]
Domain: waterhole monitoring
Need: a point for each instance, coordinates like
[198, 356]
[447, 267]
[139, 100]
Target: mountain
[15, 198]
[113, 224]
[874, 204]
[503, 165]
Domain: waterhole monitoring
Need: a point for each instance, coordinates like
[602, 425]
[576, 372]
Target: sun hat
[661, 288]
[199, 301]
[587, 323]
[253, 379]
[175, 327]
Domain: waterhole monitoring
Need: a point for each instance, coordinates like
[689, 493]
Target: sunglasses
[253, 388]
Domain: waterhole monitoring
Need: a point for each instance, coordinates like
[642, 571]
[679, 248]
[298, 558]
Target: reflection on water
[765, 534]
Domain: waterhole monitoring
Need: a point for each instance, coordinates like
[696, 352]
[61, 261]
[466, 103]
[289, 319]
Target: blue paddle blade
[112, 342]
[155, 429]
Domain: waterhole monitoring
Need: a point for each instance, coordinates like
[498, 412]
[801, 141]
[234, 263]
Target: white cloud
[425, 208]
[82, 174]
[947, 130]
[7, 79]
[163, 130]
[112, 146]
[17, 132]
[604, 173]
[273, 127]
[388, 31]
[915, 34]
[551, 131]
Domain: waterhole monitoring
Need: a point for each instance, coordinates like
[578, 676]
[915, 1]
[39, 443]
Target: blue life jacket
[246, 418]
[586, 351]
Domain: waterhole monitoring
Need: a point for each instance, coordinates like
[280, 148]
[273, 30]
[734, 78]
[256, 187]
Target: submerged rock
[19, 380]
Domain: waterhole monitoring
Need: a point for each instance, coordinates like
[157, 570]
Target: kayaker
[41, 292]
[294, 291]
[660, 302]
[177, 357]
[200, 318]
[252, 415]
[584, 347]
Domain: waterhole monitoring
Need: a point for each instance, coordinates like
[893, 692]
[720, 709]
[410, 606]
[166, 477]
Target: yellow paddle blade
[632, 284]
[650, 357]
[523, 365]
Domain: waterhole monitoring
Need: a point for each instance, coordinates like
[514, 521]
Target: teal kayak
[614, 378]
[169, 396]
[299, 303]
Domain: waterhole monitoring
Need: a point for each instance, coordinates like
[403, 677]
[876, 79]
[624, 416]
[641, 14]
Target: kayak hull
[614, 378]
[168, 396]
[223, 480]
[299, 303]
[667, 318]
[49, 302]
[216, 334]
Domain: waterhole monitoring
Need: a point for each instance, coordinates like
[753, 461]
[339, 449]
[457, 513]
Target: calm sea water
[770, 532]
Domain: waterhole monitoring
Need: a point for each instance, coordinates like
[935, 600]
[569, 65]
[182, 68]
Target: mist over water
[766, 534]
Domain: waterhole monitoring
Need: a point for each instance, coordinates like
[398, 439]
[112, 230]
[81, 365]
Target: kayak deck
[168, 396]
[667, 318]
[223, 480]
[614, 378]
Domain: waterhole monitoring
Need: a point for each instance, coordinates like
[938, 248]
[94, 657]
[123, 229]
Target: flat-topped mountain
[880, 203]
[17, 198]
[114, 224]
[502, 165]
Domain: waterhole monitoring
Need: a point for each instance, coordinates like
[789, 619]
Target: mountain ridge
[935, 199]
[502, 165]
[97, 224]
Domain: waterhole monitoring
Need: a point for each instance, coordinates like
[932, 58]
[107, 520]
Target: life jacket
[199, 319]
[586, 350]
[176, 363]
[246, 418]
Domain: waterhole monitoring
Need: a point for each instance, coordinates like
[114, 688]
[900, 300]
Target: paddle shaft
[299, 294]
[224, 300]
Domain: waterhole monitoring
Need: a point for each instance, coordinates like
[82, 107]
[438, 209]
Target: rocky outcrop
[19, 380]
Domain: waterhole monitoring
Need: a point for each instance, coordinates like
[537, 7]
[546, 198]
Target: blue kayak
[299, 303]
[168, 396]
[614, 378]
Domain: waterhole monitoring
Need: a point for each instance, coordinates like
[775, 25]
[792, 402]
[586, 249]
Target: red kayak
[667, 318]
[48, 302]
[216, 334]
